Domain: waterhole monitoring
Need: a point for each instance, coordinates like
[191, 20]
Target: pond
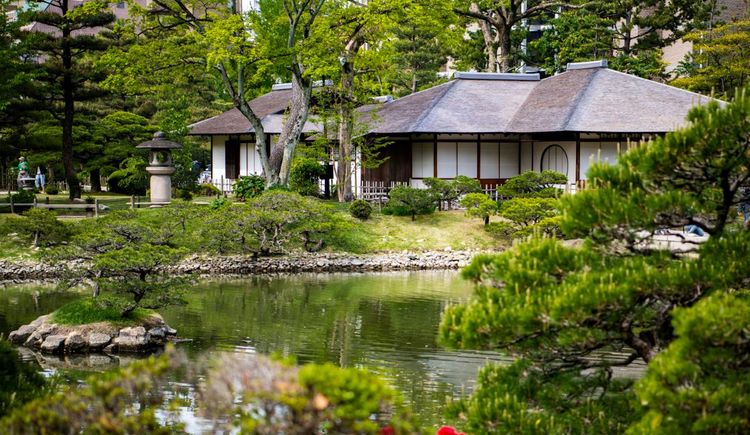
[385, 322]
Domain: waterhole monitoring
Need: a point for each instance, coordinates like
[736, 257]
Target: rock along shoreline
[48, 337]
[247, 265]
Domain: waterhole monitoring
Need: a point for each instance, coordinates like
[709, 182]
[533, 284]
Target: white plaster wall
[218, 156]
[595, 152]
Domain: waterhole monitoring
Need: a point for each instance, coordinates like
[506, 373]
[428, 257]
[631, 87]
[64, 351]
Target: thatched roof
[587, 98]
[234, 122]
[602, 100]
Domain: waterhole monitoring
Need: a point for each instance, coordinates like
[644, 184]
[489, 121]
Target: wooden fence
[90, 208]
[377, 191]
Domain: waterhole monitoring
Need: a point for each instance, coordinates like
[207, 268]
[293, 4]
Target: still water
[385, 322]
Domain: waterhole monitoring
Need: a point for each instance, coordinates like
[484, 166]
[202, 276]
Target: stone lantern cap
[159, 142]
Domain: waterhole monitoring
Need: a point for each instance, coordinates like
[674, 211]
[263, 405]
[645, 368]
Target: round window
[554, 158]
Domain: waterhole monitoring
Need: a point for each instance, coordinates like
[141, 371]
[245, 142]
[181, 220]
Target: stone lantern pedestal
[161, 183]
[160, 167]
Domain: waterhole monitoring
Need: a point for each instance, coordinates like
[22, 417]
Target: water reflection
[384, 322]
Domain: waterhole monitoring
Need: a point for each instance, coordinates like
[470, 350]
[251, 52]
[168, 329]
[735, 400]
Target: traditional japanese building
[485, 126]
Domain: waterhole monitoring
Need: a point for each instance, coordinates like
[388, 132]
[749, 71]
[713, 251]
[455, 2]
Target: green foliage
[306, 173]
[184, 194]
[93, 310]
[606, 30]
[479, 205]
[511, 389]
[19, 382]
[502, 230]
[409, 201]
[22, 197]
[667, 183]
[701, 382]
[131, 178]
[720, 62]
[528, 211]
[208, 189]
[353, 396]
[126, 256]
[448, 191]
[38, 226]
[51, 189]
[218, 203]
[557, 307]
[249, 186]
[533, 184]
[124, 401]
[360, 209]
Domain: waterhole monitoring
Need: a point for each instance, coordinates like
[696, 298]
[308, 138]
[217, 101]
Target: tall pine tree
[66, 35]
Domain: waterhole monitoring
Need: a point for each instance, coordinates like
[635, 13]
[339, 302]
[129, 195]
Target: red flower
[387, 430]
[448, 430]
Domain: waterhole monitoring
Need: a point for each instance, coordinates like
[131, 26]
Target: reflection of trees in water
[22, 304]
[388, 322]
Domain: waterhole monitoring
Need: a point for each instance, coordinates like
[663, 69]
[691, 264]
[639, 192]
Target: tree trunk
[283, 151]
[504, 47]
[74, 188]
[490, 45]
[346, 123]
[96, 180]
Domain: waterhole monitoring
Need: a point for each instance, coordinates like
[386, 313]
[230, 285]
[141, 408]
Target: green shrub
[447, 191]
[208, 189]
[479, 205]
[503, 230]
[360, 209]
[219, 203]
[528, 211]
[409, 201]
[38, 226]
[274, 219]
[131, 178]
[184, 194]
[22, 197]
[533, 184]
[89, 199]
[304, 176]
[249, 186]
[51, 189]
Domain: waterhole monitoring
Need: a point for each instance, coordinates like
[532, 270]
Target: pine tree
[66, 35]
[575, 316]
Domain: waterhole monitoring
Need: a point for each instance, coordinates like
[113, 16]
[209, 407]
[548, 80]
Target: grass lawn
[437, 231]
[89, 310]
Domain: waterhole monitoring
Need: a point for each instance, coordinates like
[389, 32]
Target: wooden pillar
[578, 157]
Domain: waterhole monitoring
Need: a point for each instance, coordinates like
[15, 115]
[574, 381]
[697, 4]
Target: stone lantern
[160, 167]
